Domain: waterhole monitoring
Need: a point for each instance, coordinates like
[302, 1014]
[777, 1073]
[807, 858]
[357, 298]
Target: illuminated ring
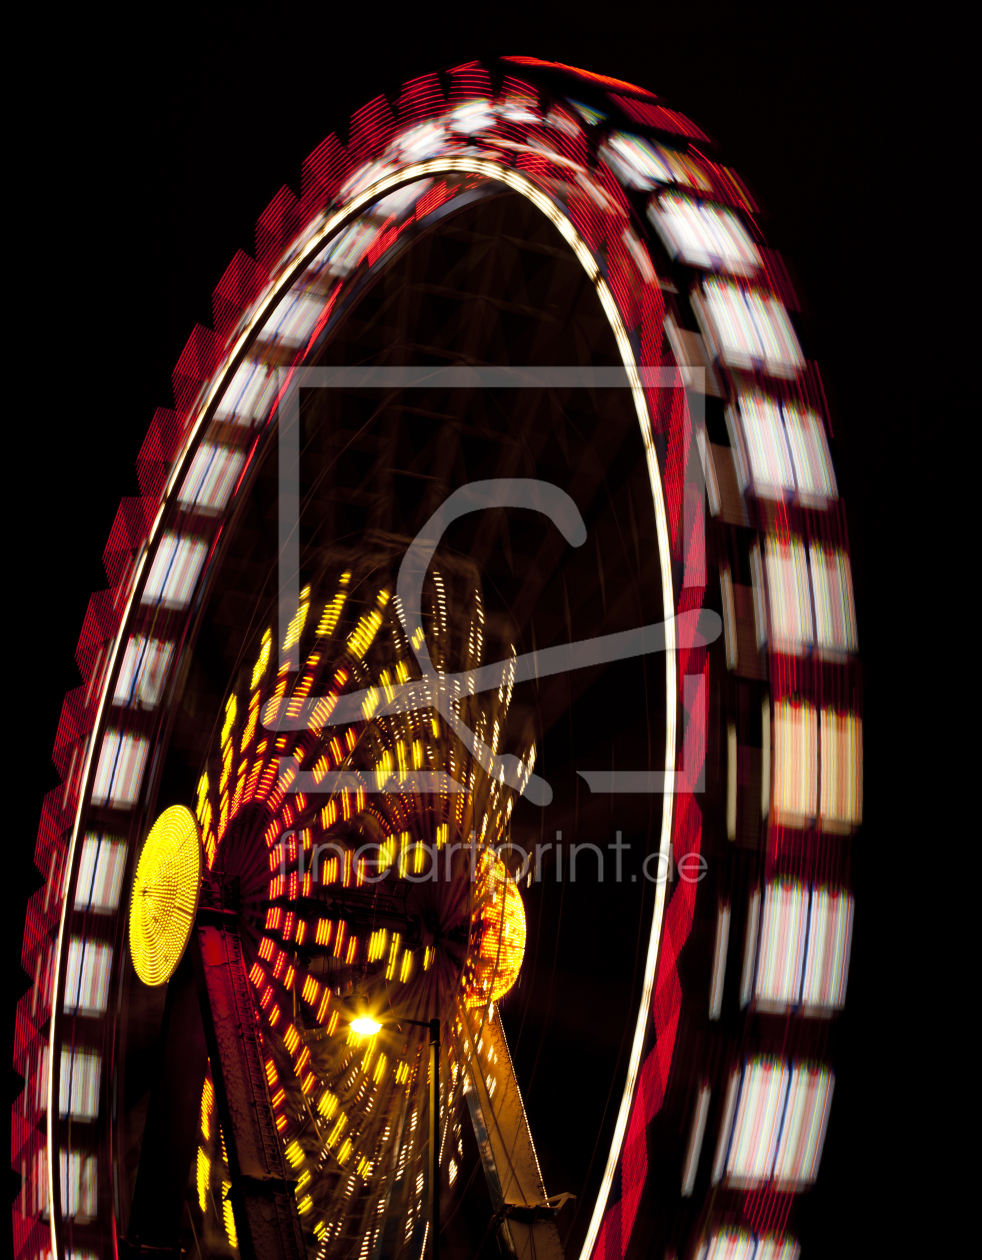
[786, 603]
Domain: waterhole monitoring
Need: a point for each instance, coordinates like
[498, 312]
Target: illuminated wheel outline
[199, 362]
[301, 925]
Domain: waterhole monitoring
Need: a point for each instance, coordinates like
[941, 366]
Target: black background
[147, 148]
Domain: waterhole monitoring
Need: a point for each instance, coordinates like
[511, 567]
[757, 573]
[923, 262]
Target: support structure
[168, 1146]
[528, 1217]
[263, 1202]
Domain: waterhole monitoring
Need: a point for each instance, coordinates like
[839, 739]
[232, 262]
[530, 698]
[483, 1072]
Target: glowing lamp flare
[164, 900]
[365, 1026]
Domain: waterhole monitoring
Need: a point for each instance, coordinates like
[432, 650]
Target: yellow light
[295, 628]
[164, 900]
[495, 965]
[263, 659]
[203, 1178]
[228, 1217]
[231, 708]
[328, 1104]
[365, 1026]
[207, 1105]
[332, 612]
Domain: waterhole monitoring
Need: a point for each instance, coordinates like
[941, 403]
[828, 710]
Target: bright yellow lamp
[365, 1026]
[165, 895]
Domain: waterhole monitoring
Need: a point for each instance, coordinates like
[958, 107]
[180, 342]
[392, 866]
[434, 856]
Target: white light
[810, 453]
[841, 804]
[345, 252]
[143, 672]
[770, 460]
[293, 320]
[397, 203]
[211, 477]
[174, 571]
[803, 1134]
[120, 770]
[695, 1142]
[100, 874]
[788, 594]
[731, 1243]
[636, 162]
[79, 1196]
[795, 756]
[782, 945]
[87, 976]
[249, 395]
[757, 1122]
[719, 962]
[472, 116]
[835, 611]
[778, 1124]
[748, 328]
[519, 113]
[422, 142]
[704, 235]
[750, 948]
[827, 957]
[79, 1092]
[787, 450]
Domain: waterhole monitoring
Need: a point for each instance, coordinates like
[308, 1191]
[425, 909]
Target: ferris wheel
[457, 812]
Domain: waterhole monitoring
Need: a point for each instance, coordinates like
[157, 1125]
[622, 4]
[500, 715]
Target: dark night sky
[151, 149]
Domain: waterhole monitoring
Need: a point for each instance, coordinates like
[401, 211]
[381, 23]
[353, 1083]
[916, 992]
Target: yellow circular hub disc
[165, 895]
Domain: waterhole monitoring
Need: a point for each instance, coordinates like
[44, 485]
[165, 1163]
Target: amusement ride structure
[456, 813]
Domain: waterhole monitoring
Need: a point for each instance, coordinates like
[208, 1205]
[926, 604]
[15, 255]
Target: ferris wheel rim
[516, 183]
[205, 407]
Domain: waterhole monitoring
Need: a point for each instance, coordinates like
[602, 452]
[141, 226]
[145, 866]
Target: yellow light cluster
[501, 944]
[295, 628]
[207, 1105]
[262, 660]
[165, 895]
[231, 708]
[227, 1216]
[203, 1178]
[364, 633]
[332, 612]
[390, 969]
[377, 943]
[339, 1127]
